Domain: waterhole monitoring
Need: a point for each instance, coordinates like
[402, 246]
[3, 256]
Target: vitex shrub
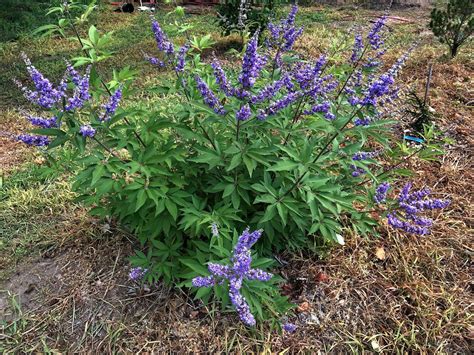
[286, 144]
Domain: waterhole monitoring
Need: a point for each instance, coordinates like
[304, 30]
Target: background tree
[454, 25]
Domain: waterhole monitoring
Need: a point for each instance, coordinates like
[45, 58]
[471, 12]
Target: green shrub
[283, 144]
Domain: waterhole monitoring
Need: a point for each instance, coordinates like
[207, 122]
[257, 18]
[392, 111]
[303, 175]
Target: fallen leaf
[303, 307]
[380, 253]
[340, 239]
[375, 345]
[321, 277]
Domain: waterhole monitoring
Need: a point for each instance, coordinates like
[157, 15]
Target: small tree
[455, 25]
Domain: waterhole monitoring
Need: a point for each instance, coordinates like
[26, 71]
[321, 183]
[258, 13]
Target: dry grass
[392, 294]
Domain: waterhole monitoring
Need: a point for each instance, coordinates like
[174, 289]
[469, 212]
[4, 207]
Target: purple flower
[395, 222]
[111, 106]
[244, 113]
[279, 105]
[269, 91]
[236, 273]
[329, 116]
[180, 61]
[412, 204]
[200, 281]
[252, 63]
[357, 49]
[43, 122]
[209, 97]
[161, 39]
[214, 230]
[365, 155]
[81, 92]
[284, 34]
[38, 141]
[154, 61]
[357, 171]
[241, 305]
[73, 74]
[323, 107]
[383, 85]
[221, 78]
[307, 76]
[381, 192]
[87, 131]
[374, 35]
[45, 95]
[362, 121]
[137, 273]
[289, 327]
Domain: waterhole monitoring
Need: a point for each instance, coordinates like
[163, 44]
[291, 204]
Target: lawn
[64, 283]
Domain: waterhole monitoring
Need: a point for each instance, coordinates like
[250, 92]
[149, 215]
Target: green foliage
[18, 17]
[257, 15]
[73, 12]
[454, 25]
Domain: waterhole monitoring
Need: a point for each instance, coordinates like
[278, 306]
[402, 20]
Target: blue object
[414, 139]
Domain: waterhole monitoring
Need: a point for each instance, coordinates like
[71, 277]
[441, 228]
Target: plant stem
[108, 150]
[321, 152]
[394, 166]
[295, 119]
[237, 130]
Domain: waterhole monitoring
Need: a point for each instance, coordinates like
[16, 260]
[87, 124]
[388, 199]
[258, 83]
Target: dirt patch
[12, 154]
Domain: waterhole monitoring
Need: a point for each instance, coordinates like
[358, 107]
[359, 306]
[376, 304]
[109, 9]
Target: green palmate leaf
[250, 164]
[229, 189]
[49, 132]
[98, 172]
[172, 208]
[284, 165]
[141, 199]
[93, 35]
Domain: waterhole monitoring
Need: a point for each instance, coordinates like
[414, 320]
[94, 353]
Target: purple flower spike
[381, 192]
[269, 91]
[252, 63]
[214, 230]
[209, 97]
[87, 131]
[362, 121]
[38, 141]
[374, 36]
[356, 171]
[412, 204]
[81, 92]
[383, 85]
[43, 122]
[284, 35]
[45, 95]
[236, 273]
[161, 39]
[289, 327]
[207, 281]
[137, 273]
[221, 78]
[280, 105]
[111, 106]
[154, 61]
[244, 113]
[181, 60]
[357, 49]
[365, 155]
